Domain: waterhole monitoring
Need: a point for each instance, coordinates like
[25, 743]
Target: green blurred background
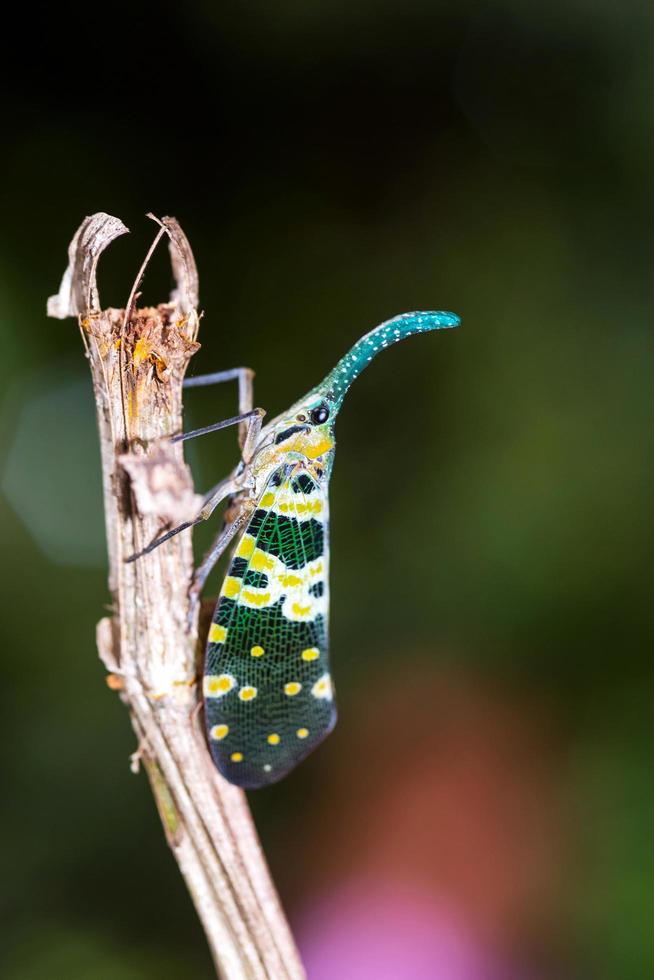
[334, 164]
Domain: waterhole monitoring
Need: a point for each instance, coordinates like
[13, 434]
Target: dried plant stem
[138, 358]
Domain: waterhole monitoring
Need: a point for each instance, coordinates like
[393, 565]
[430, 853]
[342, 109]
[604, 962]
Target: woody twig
[138, 357]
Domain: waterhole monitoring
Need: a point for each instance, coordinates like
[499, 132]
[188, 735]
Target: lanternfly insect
[268, 691]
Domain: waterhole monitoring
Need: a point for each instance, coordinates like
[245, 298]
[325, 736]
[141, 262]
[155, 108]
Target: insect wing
[268, 691]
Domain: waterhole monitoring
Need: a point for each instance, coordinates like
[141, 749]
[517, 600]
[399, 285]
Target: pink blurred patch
[365, 931]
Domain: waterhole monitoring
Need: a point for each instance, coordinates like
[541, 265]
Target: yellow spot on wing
[292, 688]
[290, 581]
[313, 507]
[311, 653]
[261, 562]
[219, 732]
[322, 689]
[231, 587]
[216, 685]
[300, 610]
[236, 757]
[274, 739]
[247, 693]
[257, 651]
[267, 500]
[217, 633]
[246, 546]
[255, 598]
[302, 732]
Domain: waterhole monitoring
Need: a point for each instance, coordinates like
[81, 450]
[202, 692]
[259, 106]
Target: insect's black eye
[320, 414]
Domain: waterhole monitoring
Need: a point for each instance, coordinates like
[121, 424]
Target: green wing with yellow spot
[268, 693]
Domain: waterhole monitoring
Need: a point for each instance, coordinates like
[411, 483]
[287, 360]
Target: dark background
[487, 800]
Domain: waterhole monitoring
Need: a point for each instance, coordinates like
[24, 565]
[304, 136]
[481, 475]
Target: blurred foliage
[334, 164]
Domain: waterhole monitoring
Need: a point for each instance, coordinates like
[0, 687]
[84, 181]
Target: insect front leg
[226, 488]
[245, 390]
[252, 432]
[256, 413]
[243, 479]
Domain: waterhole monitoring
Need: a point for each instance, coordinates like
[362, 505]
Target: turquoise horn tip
[426, 320]
[386, 334]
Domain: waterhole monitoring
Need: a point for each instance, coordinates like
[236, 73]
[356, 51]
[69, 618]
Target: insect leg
[235, 420]
[219, 493]
[164, 537]
[211, 557]
[245, 402]
[252, 430]
[245, 392]
[250, 421]
[217, 377]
